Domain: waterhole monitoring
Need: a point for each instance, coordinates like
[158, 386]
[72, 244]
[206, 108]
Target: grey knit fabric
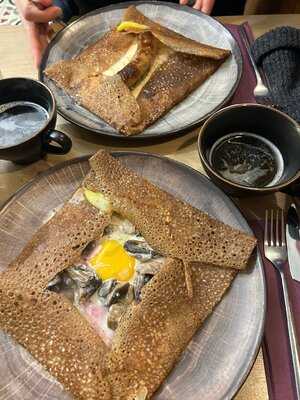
[278, 53]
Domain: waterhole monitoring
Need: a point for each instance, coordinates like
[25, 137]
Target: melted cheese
[162, 55]
[141, 394]
[98, 200]
[131, 25]
[123, 61]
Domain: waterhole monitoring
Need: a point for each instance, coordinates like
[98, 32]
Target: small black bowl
[40, 142]
[266, 122]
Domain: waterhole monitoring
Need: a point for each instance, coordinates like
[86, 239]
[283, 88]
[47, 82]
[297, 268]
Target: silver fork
[260, 91]
[276, 252]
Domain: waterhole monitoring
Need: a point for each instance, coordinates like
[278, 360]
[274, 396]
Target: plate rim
[236, 385]
[172, 132]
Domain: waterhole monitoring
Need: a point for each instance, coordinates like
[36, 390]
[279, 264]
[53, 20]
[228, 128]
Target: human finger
[183, 2]
[198, 4]
[33, 14]
[38, 40]
[46, 3]
[40, 4]
[207, 6]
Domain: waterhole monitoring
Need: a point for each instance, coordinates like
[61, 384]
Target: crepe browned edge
[172, 82]
[152, 334]
[111, 99]
[45, 323]
[173, 227]
[91, 62]
[173, 39]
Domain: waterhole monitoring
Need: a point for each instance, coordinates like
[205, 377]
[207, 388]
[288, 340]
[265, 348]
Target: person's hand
[36, 17]
[202, 5]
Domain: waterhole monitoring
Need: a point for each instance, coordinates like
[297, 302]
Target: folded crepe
[200, 258]
[136, 72]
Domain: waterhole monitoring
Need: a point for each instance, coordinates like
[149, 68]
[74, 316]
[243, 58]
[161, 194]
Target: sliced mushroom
[83, 274]
[86, 281]
[108, 230]
[76, 283]
[117, 294]
[129, 296]
[106, 287]
[145, 273]
[115, 313]
[151, 267]
[138, 284]
[140, 250]
[55, 284]
[90, 250]
[61, 282]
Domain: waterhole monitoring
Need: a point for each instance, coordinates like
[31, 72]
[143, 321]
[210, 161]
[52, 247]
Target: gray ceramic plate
[220, 355]
[209, 97]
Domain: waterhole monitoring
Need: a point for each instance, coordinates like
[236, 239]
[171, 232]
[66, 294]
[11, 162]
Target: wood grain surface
[15, 60]
[272, 7]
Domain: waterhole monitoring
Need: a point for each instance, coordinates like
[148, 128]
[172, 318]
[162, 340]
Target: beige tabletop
[15, 60]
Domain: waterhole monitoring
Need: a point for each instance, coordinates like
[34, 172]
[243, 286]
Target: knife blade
[293, 241]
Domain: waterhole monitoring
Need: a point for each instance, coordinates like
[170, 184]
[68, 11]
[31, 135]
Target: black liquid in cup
[247, 159]
[18, 120]
[27, 121]
[251, 149]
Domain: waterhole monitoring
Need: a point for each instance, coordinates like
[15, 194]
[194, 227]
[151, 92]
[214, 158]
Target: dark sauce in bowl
[247, 159]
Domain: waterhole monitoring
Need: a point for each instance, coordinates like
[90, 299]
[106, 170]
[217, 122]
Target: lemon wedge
[98, 200]
[130, 25]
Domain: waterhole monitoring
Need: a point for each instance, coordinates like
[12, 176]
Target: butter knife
[293, 241]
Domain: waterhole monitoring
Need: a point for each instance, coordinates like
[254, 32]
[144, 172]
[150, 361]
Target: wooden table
[15, 60]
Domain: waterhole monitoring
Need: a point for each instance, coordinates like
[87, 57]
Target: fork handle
[248, 48]
[292, 335]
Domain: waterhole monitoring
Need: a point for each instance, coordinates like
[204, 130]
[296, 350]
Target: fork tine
[283, 240]
[277, 229]
[266, 238]
[272, 228]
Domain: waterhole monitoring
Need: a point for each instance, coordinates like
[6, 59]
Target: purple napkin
[244, 92]
[277, 359]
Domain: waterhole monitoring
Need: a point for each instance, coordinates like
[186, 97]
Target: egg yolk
[113, 262]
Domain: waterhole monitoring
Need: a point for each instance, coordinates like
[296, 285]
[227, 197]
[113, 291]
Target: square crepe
[121, 255]
[136, 72]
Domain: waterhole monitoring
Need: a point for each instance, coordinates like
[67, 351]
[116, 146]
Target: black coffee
[247, 159]
[19, 120]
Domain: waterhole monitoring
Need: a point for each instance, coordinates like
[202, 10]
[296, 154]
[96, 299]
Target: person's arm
[36, 16]
[205, 6]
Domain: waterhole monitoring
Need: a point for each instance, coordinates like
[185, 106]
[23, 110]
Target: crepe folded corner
[133, 76]
[153, 332]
